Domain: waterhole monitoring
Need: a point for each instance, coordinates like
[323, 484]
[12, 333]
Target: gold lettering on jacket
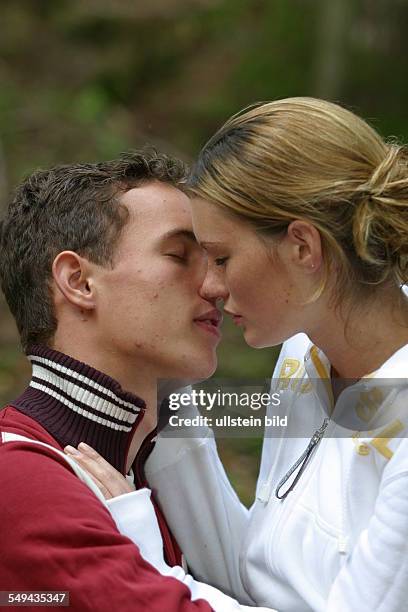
[381, 441]
[369, 403]
[290, 375]
[388, 433]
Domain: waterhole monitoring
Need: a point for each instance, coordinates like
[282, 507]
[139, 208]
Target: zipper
[280, 509]
[281, 514]
[262, 497]
[142, 454]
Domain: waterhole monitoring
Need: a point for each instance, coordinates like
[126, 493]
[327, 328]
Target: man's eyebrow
[179, 233]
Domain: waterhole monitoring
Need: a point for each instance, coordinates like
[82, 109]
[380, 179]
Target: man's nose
[213, 287]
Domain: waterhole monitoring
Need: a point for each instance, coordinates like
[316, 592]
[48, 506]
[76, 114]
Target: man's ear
[306, 245]
[71, 274]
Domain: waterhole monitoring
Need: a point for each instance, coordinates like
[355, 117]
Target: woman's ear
[306, 245]
[71, 274]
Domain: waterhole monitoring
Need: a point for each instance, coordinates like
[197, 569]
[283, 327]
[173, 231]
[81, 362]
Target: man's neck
[136, 378]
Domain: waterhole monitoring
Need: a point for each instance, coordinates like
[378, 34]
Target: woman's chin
[253, 339]
[258, 340]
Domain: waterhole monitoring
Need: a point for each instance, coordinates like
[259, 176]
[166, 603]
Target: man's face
[149, 310]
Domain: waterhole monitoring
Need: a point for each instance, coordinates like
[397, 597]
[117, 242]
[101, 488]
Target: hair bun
[384, 174]
[380, 225]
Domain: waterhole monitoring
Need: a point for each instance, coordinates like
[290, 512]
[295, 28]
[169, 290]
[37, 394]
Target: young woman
[303, 211]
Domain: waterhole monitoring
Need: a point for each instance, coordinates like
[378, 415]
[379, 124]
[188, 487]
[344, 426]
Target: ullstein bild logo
[227, 421]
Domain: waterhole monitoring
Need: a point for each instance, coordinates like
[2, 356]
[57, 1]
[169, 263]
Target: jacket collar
[76, 403]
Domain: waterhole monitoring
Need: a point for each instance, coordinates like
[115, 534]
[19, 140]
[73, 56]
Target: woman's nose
[213, 286]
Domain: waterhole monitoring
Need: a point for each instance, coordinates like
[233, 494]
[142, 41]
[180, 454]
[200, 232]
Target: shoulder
[35, 476]
[392, 440]
[387, 438]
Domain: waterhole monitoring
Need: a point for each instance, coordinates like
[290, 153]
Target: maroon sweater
[56, 535]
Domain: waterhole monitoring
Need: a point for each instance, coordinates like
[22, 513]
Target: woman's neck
[360, 343]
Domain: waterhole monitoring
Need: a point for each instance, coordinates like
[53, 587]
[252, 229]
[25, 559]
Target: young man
[102, 273]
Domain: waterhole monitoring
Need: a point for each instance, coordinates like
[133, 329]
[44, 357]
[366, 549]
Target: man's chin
[202, 373]
[199, 369]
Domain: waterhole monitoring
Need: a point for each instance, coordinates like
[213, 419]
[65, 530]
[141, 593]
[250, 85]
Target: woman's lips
[237, 319]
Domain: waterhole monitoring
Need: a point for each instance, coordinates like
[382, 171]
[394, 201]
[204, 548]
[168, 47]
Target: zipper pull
[318, 434]
[301, 462]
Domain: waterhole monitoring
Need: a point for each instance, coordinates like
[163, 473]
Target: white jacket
[339, 541]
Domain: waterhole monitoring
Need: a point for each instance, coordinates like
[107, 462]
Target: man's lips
[210, 321]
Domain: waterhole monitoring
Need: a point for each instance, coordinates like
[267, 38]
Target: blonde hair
[303, 158]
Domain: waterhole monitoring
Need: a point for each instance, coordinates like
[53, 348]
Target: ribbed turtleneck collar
[76, 403]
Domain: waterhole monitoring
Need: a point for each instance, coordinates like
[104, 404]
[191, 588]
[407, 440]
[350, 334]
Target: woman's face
[262, 285]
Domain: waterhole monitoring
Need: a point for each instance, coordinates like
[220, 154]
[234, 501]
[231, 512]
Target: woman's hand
[110, 482]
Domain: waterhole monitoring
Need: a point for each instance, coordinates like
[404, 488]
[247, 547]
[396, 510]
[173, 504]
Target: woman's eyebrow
[207, 243]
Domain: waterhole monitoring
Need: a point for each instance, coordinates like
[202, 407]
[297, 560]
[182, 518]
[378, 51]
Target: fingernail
[71, 450]
[84, 446]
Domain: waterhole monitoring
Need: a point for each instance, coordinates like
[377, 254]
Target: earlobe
[71, 276]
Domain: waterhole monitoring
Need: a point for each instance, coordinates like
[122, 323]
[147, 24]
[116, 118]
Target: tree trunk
[332, 42]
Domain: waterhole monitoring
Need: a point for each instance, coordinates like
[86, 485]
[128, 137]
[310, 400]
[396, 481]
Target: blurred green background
[86, 79]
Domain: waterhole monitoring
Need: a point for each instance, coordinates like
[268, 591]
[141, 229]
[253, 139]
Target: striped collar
[76, 403]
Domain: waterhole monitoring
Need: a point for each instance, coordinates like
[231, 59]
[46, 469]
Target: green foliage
[87, 80]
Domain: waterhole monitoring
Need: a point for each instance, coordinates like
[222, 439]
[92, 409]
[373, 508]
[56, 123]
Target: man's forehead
[160, 208]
